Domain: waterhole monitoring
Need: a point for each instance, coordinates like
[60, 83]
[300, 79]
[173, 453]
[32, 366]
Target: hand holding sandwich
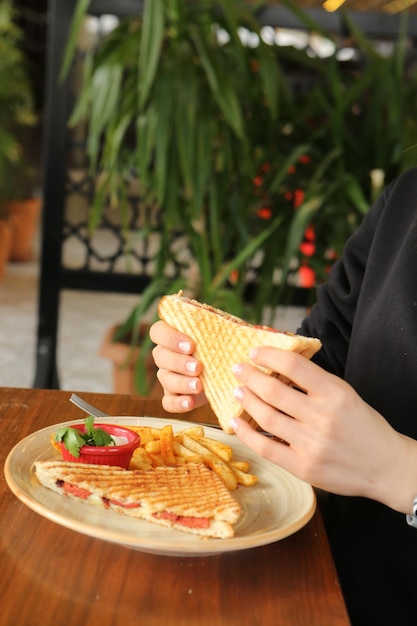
[220, 340]
[326, 447]
[178, 369]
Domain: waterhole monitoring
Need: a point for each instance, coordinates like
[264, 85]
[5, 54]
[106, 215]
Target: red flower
[292, 169]
[309, 234]
[304, 158]
[264, 213]
[331, 255]
[307, 276]
[257, 181]
[234, 276]
[298, 198]
[307, 248]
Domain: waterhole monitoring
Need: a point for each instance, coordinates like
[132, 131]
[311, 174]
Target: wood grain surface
[53, 576]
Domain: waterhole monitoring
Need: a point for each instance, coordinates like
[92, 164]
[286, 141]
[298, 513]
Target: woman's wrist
[399, 483]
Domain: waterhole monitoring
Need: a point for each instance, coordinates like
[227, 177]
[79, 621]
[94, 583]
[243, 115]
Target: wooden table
[52, 576]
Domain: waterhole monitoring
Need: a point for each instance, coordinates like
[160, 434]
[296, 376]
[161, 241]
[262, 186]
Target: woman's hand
[178, 370]
[337, 442]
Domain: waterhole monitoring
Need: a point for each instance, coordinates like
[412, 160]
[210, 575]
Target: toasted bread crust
[222, 340]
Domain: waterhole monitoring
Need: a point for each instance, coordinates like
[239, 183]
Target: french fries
[167, 439]
[213, 461]
[161, 446]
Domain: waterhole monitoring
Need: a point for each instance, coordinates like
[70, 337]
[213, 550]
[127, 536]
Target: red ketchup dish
[118, 453]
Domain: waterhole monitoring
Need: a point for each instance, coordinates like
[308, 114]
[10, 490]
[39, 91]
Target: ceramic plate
[276, 507]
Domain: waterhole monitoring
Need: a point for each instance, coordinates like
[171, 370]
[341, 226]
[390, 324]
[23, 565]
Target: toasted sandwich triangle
[189, 498]
[222, 340]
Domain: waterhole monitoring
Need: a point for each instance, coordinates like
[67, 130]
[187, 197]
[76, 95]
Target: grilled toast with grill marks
[220, 341]
[188, 497]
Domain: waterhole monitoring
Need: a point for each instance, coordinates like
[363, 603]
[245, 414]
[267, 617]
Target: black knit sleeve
[331, 318]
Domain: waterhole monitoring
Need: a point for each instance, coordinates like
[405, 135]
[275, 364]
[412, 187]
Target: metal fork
[86, 406]
[92, 410]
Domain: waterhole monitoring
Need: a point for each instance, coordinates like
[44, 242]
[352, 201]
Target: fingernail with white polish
[185, 404]
[184, 346]
[237, 369]
[193, 384]
[233, 424]
[238, 393]
[191, 366]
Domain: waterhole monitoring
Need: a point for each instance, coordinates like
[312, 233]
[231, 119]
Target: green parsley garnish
[73, 439]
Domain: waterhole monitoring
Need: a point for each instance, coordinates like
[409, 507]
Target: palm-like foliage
[240, 164]
[196, 118]
[16, 101]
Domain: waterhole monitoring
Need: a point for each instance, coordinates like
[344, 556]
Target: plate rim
[174, 548]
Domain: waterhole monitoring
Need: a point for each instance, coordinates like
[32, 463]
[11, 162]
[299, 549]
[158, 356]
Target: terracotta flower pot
[5, 244]
[124, 359]
[24, 216]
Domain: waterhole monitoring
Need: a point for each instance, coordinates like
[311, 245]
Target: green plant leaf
[220, 86]
[186, 108]
[253, 246]
[151, 43]
[81, 9]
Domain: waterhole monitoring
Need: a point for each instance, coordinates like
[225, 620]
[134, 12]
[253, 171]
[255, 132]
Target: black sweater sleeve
[332, 317]
[366, 317]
